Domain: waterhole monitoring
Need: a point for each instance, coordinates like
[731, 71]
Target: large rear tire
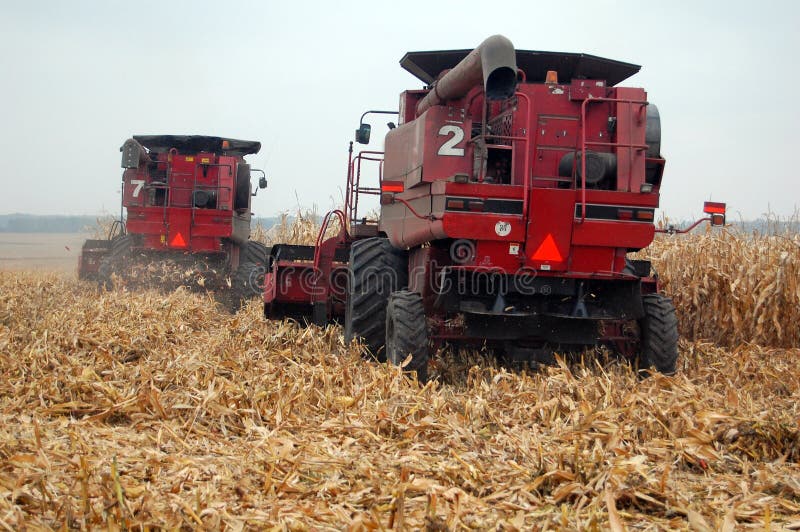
[376, 270]
[407, 333]
[248, 281]
[255, 252]
[114, 262]
[658, 328]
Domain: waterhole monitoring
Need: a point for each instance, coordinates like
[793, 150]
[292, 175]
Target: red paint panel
[288, 283]
[549, 228]
[133, 191]
[588, 259]
[431, 148]
[270, 284]
[212, 230]
[613, 197]
[145, 227]
[493, 254]
[483, 226]
[613, 234]
[475, 190]
[179, 222]
[404, 152]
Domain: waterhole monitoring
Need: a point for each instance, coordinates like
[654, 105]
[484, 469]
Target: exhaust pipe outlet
[493, 62]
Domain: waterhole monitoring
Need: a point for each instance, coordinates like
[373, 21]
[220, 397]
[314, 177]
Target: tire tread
[405, 314]
[659, 335]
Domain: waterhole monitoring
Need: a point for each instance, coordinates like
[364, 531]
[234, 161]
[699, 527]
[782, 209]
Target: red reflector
[178, 241]
[476, 206]
[392, 186]
[548, 251]
[712, 207]
[454, 204]
[624, 214]
[645, 215]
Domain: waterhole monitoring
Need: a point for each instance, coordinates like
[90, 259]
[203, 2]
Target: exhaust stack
[494, 62]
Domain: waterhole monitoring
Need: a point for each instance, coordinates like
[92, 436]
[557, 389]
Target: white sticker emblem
[502, 228]
[513, 249]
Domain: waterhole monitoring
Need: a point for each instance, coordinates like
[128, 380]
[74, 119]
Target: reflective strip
[485, 205]
[616, 212]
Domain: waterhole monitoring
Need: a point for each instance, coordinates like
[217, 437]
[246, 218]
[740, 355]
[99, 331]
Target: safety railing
[354, 189]
[584, 142]
[526, 145]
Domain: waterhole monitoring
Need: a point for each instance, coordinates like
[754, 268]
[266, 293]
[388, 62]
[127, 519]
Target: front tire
[407, 333]
[659, 335]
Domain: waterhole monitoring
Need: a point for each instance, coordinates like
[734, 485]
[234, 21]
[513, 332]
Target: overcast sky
[80, 77]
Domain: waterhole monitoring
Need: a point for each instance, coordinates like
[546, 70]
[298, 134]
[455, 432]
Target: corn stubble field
[155, 409]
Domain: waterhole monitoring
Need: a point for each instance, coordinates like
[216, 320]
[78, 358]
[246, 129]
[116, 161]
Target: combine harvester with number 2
[512, 191]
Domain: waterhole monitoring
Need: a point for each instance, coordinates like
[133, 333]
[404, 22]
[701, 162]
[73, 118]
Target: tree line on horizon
[65, 223]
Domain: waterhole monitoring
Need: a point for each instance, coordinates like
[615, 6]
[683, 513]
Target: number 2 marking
[139, 184]
[448, 148]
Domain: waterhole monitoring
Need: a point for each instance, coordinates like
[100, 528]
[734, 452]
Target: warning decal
[178, 241]
[547, 251]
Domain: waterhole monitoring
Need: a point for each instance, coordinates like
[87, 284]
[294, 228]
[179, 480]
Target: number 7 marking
[139, 184]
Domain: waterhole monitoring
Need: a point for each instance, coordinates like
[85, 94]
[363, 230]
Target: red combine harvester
[511, 192]
[187, 199]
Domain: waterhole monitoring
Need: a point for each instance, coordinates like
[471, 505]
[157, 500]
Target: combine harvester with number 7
[187, 199]
[512, 191]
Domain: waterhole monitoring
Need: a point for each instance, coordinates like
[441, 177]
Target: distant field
[40, 251]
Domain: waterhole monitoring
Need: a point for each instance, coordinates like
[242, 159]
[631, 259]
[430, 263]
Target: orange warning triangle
[178, 241]
[548, 251]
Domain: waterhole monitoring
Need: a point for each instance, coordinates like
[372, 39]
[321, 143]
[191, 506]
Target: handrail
[168, 198]
[322, 230]
[672, 230]
[584, 143]
[348, 191]
[354, 181]
[168, 195]
[525, 139]
[526, 161]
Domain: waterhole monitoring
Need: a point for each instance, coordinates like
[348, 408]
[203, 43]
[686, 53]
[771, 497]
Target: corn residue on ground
[154, 409]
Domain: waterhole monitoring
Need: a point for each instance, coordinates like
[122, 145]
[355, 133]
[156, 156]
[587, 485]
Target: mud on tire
[376, 270]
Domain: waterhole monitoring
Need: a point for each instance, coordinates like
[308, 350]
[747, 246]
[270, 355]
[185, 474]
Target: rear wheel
[376, 270]
[659, 335]
[254, 252]
[407, 333]
[114, 261]
[248, 280]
